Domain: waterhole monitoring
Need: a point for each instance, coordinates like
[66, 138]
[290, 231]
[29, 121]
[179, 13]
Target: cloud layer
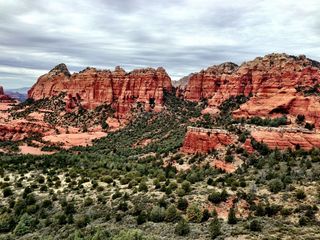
[181, 35]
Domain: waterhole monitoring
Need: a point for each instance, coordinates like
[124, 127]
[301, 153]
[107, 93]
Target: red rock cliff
[200, 140]
[284, 140]
[271, 80]
[94, 87]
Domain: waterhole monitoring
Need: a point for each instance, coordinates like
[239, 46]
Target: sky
[183, 36]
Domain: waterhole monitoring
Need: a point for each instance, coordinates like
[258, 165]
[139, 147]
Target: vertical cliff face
[92, 87]
[201, 140]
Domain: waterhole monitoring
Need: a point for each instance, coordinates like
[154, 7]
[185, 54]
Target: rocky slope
[92, 87]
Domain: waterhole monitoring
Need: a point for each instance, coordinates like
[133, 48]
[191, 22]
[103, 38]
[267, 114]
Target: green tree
[232, 219]
[214, 228]
[25, 225]
[255, 226]
[182, 204]
[300, 194]
[194, 213]
[182, 228]
[171, 214]
[7, 192]
[157, 214]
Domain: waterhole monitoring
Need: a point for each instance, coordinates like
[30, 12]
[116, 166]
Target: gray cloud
[181, 35]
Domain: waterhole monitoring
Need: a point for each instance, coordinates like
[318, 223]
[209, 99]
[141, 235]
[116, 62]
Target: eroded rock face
[272, 81]
[16, 130]
[92, 87]
[284, 140]
[264, 76]
[289, 102]
[4, 98]
[201, 140]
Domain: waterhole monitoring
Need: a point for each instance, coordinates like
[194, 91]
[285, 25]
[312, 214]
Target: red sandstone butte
[92, 87]
[201, 140]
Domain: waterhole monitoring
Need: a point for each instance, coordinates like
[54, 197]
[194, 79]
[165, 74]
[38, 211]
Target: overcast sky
[182, 36]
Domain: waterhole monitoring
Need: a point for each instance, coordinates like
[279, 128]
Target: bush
[81, 221]
[300, 194]
[88, 201]
[157, 214]
[142, 218]
[186, 186]
[171, 214]
[309, 126]
[7, 192]
[130, 234]
[7, 222]
[47, 203]
[107, 179]
[275, 185]
[214, 228]
[300, 118]
[143, 187]
[205, 215]
[25, 225]
[214, 197]
[182, 228]
[255, 226]
[229, 158]
[232, 219]
[182, 204]
[194, 213]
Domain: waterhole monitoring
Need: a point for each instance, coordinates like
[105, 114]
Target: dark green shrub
[194, 213]
[300, 194]
[182, 204]
[182, 228]
[232, 219]
[275, 185]
[81, 221]
[142, 218]
[157, 214]
[7, 192]
[214, 228]
[255, 226]
[171, 214]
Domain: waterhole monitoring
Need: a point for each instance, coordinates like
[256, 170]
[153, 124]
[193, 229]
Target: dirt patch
[24, 149]
[74, 139]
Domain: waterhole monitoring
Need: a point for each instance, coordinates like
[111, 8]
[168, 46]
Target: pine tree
[232, 219]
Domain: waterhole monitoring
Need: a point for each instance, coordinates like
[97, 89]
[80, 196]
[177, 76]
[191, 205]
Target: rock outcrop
[4, 98]
[285, 140]
[201, 140]
[16, 130]
[272, 81]
[92, 87]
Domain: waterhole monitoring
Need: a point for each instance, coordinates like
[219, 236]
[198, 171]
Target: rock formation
[92, 87]
[272, 80]
[201, 140]
[284, 140]
[20, 129]
[4, 98]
